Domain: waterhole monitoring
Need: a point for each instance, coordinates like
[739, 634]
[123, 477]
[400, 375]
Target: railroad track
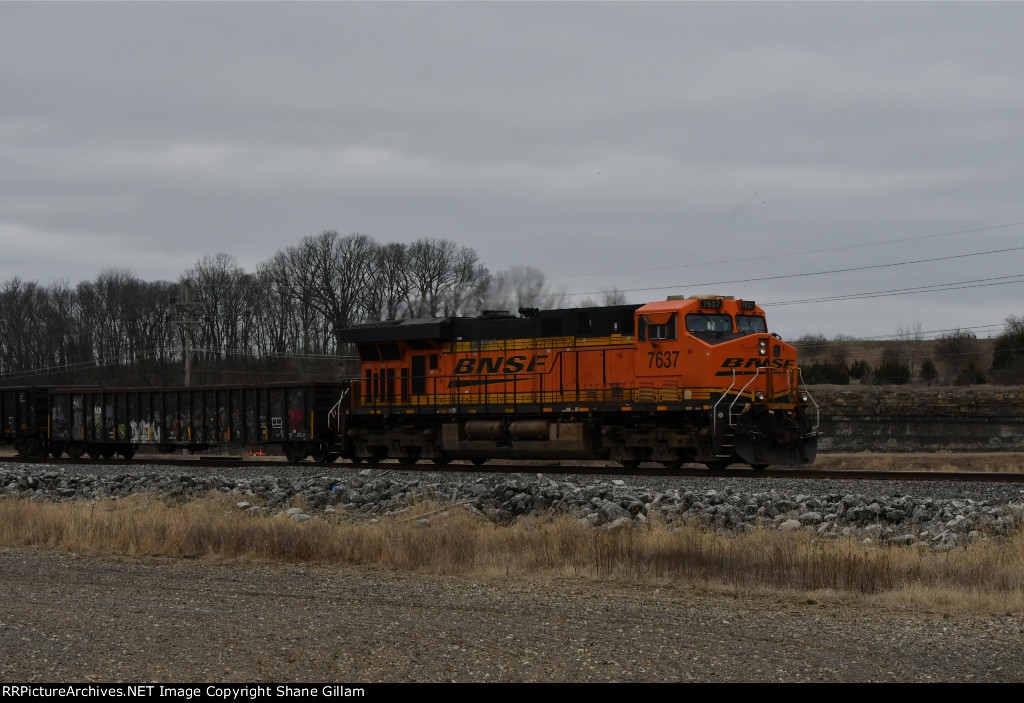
[543, 468]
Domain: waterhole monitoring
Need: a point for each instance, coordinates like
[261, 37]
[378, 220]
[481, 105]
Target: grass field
[986, 575]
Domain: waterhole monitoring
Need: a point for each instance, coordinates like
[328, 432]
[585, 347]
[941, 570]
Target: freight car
[23, 419]
[675, 381]
[108, 422]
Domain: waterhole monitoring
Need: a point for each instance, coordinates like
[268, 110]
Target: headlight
[762, 347]
[759, 396]
[803, 397]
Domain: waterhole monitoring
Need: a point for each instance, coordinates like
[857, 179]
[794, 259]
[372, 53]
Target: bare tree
[22, 303]
[219, 286]
[341, 273]
[442, 278]
[469, 281]
[811, 347]
[388, 283]
[955, 351]
[521, 286]
[1008, 353]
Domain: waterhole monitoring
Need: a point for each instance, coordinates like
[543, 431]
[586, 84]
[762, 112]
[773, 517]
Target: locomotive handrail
[335, 412]
[714, 411]
[817, 410]
[757, 372]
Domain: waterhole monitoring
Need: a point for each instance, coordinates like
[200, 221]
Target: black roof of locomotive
[396, 330]
[568, 322]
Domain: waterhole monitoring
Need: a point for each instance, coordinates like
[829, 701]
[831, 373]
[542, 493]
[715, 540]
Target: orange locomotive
[676, 381]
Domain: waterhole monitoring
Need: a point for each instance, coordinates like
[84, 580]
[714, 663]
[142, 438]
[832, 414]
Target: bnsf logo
[500, 364]
[736, 362]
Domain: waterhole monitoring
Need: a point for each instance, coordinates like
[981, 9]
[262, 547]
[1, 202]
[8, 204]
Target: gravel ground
[1008, 492]
[65, 617]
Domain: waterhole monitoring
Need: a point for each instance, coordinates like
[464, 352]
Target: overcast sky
[656, 148]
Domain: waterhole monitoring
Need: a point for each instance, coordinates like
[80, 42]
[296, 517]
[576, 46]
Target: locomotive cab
[719, 348]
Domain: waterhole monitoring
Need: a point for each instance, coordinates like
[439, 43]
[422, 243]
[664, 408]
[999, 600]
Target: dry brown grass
[987, 575]
[980, 462]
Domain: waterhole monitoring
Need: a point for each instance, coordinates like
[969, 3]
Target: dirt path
[72, 618]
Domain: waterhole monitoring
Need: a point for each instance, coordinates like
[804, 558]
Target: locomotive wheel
[294, 452]
[322, 454]
[718, 464]
[32, 448]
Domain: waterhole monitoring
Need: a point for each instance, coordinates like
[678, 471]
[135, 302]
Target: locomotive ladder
[727, 435]
[334, 416]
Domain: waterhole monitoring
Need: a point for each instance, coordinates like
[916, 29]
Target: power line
[763, 257]
[929, 335]
[977, 283]
[814, 273]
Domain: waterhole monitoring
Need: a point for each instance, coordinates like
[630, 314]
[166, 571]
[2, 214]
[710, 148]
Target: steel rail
[552, 468]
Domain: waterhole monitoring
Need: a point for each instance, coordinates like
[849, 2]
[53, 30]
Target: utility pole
[188, 322]
[187, 307]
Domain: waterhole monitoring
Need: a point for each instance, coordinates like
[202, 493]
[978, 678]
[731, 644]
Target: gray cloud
[599, 142]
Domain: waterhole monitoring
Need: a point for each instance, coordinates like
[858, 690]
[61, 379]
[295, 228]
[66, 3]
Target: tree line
[281, 321]
[954, 358]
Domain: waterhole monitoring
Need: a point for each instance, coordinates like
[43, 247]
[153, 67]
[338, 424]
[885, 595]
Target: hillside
[950, 357]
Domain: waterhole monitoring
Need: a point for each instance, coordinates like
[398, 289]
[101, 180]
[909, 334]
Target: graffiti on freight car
[181, 426]
[143, 432]
[250, 423]
[57, 421]
[97, 422]
[77, 418]
[295, 418]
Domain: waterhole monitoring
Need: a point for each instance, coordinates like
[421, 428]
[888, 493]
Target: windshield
[751, 323]
[708, 322]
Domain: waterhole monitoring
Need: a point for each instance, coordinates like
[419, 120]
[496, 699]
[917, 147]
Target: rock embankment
[910, 419]
[939, 515]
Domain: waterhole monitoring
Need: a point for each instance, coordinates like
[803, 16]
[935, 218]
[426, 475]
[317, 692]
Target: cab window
[750, 323]
[656, 327]
[708, 322]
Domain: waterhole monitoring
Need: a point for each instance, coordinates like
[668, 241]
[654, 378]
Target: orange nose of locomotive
[749, 376]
